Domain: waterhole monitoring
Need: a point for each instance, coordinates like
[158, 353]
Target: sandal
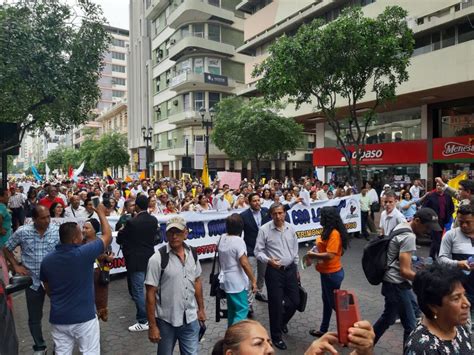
[316, 333]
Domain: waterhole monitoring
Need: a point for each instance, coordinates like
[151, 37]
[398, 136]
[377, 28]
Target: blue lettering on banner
[300, 217]
[216, 227]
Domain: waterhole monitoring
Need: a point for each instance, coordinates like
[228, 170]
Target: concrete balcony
[198, 11]
[192, 44]
[189, 81]
[214, 152]
[185, 118]
[155, 8]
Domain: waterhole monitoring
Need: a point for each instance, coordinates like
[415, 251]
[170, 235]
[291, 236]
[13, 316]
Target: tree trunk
[257, 165]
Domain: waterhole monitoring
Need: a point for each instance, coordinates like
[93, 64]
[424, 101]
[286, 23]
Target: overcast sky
[116, 12]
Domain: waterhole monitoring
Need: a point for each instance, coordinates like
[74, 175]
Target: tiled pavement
[115, 338]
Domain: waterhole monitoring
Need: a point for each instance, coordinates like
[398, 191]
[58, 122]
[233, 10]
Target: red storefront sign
[453, 149]
[409, 152]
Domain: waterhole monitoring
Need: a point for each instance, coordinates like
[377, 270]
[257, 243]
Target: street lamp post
[207, 124]
[147, 134]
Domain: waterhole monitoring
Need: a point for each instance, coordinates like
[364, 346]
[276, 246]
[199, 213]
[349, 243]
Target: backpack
[374, 258]
[165, 258]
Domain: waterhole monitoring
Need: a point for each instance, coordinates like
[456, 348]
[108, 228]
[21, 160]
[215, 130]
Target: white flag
[78, 171]
[47, 171]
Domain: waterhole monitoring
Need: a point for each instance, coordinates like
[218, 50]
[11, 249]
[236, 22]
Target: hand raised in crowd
[361, 339]
[154, 334]
[440, 181]
[100, 209]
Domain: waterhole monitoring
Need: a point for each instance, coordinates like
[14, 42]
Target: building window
[118, 68]
[385, 128]
[449, 37]
[457, 121]
[214, 32]
[214, 2]
[465, 32]
[118, 81]
[198, 100]
[199, 65]
[117, 55]
[186, 101]
[214, 66]
[214, 98]
[118, 42]
[198, 30]
[118, 93]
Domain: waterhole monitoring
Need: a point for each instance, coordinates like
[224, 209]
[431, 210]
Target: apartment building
[192, 64]
[113, 81]
[428, 131]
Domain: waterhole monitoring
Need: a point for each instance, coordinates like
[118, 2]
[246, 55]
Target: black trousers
[364, 220]
[34, 303]
[282, 286]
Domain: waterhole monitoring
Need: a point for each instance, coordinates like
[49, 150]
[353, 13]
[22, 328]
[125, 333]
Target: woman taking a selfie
[442, 299]
[330, 245]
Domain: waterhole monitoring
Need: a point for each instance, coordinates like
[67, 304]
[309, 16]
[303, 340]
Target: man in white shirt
[391, 216]
[75, 210]
[415, 190]
[305, 193]
[323, 193]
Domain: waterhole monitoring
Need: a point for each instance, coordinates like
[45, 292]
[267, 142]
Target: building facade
[112, 84]
[429, 130]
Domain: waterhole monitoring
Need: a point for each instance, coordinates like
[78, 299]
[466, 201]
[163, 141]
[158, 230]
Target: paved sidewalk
[115, 338]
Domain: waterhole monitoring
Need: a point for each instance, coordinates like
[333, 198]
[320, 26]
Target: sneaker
[138, 327]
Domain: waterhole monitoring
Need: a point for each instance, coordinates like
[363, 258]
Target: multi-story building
[429, 130]
[193, 64]
[113, 81]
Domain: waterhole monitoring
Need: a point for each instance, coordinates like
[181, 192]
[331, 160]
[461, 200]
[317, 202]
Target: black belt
[285, 268]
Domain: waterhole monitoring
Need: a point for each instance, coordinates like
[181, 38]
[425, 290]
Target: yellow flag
[454, 183]
[205, 174]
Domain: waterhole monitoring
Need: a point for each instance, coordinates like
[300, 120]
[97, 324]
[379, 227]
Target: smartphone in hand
[347, 313]
[95, 201]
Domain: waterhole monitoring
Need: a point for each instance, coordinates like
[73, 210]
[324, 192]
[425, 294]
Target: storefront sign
[207, 227]
[409, 152]
[215, 79]
[453, 149]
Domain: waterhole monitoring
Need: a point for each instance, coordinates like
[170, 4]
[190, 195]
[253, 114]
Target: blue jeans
[137, 280]
[398, 302]
[329, 283]
[187, 336]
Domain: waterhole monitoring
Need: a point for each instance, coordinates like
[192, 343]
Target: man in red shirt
[51, 198]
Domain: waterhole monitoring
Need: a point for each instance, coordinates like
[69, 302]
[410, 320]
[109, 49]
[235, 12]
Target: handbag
[303, 298]
[375, 207]
[104, 274]
[214, 276]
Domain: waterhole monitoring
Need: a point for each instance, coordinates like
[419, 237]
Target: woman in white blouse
[235, 270]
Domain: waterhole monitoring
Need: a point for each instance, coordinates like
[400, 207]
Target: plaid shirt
[16, 201]
[34, 247]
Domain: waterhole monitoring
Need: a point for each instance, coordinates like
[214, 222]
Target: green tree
[111, 152]
[55, 158]
[341, 61]
[87, 153]
[253, 130]
[50, 63]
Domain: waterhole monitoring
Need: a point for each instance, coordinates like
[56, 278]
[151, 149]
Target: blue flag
[36, 173]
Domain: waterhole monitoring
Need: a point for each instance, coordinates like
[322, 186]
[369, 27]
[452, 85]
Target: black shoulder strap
[394, 233]
[215, 258]
[165, 258]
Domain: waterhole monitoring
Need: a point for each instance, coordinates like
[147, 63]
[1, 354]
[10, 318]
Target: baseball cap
[428, 217]
[176, 222]
[385, 186]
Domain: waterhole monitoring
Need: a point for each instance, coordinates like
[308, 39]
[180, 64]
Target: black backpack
[374, 258]
[165, 257]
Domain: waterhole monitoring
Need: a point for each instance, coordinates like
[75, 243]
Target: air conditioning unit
[175, 102]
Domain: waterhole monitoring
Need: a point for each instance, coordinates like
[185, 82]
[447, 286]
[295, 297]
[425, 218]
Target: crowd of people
[70, 264]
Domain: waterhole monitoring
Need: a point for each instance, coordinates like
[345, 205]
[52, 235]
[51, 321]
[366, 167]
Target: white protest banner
[232, 179]
[205, 228]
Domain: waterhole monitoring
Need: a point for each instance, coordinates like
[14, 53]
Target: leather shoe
[280, 344]
[284, 328]
[261, 297]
